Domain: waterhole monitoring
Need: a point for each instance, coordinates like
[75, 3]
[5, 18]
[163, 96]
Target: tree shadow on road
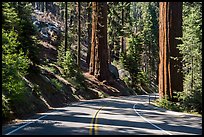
[76, 120]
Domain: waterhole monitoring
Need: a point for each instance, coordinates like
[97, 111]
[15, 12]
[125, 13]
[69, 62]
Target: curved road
[110, 116]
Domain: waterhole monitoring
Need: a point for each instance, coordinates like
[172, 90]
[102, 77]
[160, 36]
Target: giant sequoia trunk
[170, 21]
[99, 50]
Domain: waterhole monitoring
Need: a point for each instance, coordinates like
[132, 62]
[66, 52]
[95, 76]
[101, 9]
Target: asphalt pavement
[131, 115]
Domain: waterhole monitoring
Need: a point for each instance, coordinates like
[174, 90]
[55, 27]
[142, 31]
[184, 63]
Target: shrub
[5, 108]
[69, 65]
[191, 101]
[57, 84]
[14, 67]
[164, 103]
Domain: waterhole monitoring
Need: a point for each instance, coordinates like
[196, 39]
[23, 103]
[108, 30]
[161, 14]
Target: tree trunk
[46, 6]
[93, 39]
[176, 65]
[38, 5]
[99, 50]
[79, 35]
[65, 27]
[42, 6]
[62, 12]
[122, 44]
[170, 18]
[89, 35]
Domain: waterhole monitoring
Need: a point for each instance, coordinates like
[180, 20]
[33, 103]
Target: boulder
[124, 73]
[114, 71]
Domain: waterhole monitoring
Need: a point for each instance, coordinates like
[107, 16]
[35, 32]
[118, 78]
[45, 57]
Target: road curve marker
[149, 121]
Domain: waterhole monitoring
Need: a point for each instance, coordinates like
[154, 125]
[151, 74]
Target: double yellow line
[94, 127]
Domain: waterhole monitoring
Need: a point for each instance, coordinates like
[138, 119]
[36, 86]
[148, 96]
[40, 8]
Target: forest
[55, 53]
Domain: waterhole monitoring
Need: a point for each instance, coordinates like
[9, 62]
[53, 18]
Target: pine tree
[191, 50]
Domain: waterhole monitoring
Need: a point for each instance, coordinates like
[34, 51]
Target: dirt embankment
[47, 88]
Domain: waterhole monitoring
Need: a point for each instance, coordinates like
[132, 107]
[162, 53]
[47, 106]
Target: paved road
[111, 116]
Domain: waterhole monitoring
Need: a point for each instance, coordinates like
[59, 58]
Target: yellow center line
[93, 126]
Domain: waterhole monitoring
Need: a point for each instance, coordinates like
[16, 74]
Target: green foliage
[115, 27]
[71, 70]
[142, 78]
[131, 60]
[36, 90]
[164, 103]
[141, 26]
[191, 50]
[27, 32]
[17, 16]
[191, 101]
[50, 68]
[14, 65]
[145, 18]
[69, 65]
[5, 107]
[57, 84]
[149, 34]
[17, 36]
[60, 54]
[9, 16]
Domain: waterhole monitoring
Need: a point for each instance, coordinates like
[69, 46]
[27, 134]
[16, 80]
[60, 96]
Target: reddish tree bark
[170, 20]
[99, 50]
[176, 31]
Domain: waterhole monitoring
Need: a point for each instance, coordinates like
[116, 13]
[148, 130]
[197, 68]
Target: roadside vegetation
[55, 53]
[190, 100]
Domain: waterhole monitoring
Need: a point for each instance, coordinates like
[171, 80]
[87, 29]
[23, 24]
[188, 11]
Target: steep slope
[47, 85]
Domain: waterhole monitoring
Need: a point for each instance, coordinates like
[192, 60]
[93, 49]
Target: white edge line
[150, 122]
[24, 125]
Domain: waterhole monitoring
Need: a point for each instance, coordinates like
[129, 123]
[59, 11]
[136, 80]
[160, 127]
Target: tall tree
[61, 9]
[79, 36]
[65, 27]
[191, 50]
[122, 43]
[170, 21]
[42, 6]
[89, 33]
[99, 50]
[149, 35]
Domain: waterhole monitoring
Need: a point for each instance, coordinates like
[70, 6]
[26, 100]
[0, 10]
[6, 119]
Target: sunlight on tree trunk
[99, 50]
[169, 28]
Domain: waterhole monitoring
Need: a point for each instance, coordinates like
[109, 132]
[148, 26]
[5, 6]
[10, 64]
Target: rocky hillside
[48, 86]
